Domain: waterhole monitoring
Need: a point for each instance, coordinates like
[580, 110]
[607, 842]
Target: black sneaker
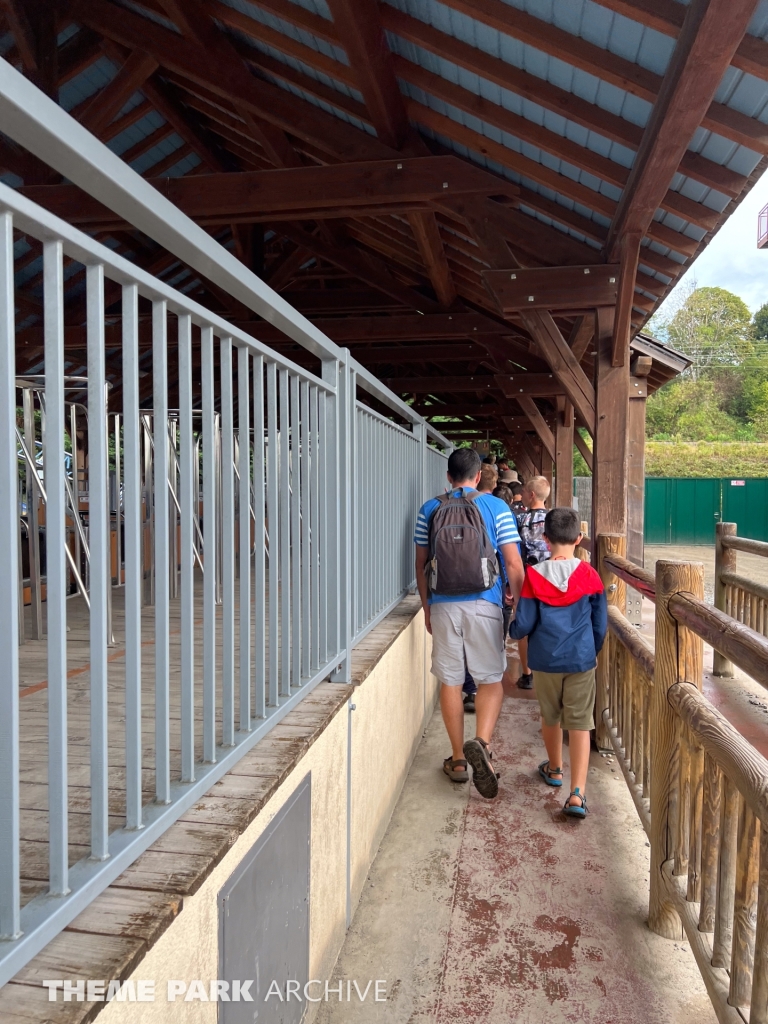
[525, 682]
[469, 703]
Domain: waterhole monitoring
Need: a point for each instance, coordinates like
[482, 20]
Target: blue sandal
[546, 773]
[576, 810]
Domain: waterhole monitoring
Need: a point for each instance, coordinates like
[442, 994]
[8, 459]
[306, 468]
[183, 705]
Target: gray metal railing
[308, 500]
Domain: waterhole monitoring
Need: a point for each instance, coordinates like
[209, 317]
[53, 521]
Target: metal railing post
[340, 486]
[725, 561]
[420, 431]
[10, 921]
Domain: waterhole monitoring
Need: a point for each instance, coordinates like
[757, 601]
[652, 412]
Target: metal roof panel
[287, 28]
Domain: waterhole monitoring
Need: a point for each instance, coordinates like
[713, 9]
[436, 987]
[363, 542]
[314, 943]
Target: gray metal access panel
[264, 918]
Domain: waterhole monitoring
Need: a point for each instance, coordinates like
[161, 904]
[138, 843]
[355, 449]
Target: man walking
[461, 538]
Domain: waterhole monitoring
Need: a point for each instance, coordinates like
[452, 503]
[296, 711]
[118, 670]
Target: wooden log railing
[736, 596]
[700, 788]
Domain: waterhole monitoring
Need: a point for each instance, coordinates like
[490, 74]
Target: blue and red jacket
[562, 611]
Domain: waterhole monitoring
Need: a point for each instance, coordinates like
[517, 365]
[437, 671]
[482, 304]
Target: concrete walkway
[506, 911]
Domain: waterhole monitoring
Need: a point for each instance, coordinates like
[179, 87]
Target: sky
[732, 260]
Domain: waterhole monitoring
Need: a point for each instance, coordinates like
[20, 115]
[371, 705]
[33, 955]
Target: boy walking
[534, 549]
[563, 613]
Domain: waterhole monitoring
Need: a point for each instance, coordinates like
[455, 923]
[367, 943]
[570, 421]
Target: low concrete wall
[393, 704]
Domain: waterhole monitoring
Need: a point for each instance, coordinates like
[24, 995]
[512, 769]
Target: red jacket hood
[583, 582]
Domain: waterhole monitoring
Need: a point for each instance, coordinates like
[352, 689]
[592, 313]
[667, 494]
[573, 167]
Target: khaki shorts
[566, 700]
[467, 633]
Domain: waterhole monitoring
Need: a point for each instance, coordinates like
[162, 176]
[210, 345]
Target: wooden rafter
[362, 35]
[108, 103]
[610, 67]
[709, 38]
[539, 91]
[751, 54]
[291, 192]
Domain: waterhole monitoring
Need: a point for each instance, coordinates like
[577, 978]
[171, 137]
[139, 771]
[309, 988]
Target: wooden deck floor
[34, 726]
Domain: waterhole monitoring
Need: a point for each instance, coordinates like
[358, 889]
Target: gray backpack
[462, 559]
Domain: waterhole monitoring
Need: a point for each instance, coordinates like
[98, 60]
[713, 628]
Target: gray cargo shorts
[467, 633]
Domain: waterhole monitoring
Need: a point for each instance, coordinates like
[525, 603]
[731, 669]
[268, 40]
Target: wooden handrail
[742, 764]
[633, 575]
[731, 579]
[637, 645]
[751, 547]
[743, 646]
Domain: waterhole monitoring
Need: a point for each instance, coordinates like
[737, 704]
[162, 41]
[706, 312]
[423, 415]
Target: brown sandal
[484, 777]
[449, 767]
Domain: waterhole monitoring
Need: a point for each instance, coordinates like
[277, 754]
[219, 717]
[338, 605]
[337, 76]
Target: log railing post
[615, 592]
[679, 658]
[725, 561]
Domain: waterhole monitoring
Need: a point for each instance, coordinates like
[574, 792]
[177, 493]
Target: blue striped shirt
[501, 525]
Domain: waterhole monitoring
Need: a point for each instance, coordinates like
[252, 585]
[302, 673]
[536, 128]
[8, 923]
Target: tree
[710, 325]
[760, 322]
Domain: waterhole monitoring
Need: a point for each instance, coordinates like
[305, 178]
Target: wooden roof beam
[362, 35]
[551, 142]
[290, 191]
[609, 67]
[196, 23]
[331, 135]
[539, 424]
[709, 38]
[666, 17]
[549, 96]
[107, 104]
[441, 385]
[711, 32]
[546, 176]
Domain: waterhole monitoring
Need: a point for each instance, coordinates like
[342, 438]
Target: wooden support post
[679, 658]
[615, 592]
[564, 453]
[725, 561]
[609, 481]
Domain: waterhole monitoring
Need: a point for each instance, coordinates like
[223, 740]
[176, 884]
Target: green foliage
[705, 459]
[760, 322]
[580, 467]
[724, 394]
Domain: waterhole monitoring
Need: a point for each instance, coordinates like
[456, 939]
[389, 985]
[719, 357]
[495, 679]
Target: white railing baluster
[133, 565]
[10, 922]
[100, 589]
[259, 553]
[187, 500]
[227, 548]
[209, 548]
[306, 561]
[285, 538]
[162, 549]
[295, 551]
[273, 526]
[244, 469]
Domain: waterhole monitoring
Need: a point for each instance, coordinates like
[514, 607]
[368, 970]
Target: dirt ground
[752, 566]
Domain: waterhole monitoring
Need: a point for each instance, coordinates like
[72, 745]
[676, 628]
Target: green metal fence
[682, 510]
